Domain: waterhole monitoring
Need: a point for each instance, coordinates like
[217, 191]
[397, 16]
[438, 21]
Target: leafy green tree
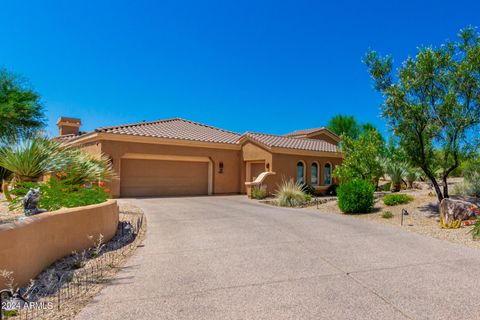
[20, 109]
[361, 158]
[344, 125]
[433, 101]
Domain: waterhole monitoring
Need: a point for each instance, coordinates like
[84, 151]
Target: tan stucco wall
[226, 182]
[252, 152]
[93, 147]
[285, 167]
[29, 246]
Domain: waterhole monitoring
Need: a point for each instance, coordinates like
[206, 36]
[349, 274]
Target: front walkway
[230, 258]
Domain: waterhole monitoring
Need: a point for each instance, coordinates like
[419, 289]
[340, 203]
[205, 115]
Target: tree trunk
[435, 185]
[445, 188]
[437, 189]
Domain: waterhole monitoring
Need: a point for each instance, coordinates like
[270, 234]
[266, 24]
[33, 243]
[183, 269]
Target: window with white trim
[300, 172]
[327, 174]
[314, 174]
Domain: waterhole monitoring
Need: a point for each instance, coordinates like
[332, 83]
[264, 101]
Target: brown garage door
[156, 178]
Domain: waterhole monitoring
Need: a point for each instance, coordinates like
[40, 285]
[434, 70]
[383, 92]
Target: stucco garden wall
[29, 246]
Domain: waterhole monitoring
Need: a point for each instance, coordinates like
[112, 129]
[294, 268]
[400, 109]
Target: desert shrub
[475, 231]
[355, 196]
[395, 199]
[290, 194]
[56, 194]
[471, 184]
[332, 190]
[308, 198]
[461, 188]
[387, 215]
[259, 192]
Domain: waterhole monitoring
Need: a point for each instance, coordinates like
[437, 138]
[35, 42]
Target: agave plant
[396, 171]
[290, 194]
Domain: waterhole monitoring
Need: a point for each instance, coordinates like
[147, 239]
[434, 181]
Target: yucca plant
[412, 175]
[82, 167]
[32, 158]
[396, 171]
[290, 194]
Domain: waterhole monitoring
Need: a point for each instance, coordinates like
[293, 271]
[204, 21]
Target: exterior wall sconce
[268, 166]
[220, 167]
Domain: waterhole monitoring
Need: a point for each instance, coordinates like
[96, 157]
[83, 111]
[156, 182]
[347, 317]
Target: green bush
[259, 192]
[475, 231]
[290, 194]
[387, 186]
[355, 196]
[387, 215]
[56, 194]
[395, 199]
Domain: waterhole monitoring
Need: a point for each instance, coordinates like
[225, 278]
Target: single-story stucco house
[177, 157]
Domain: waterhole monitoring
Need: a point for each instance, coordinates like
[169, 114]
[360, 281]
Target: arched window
[327, 175]
[314, 174]
[300, 172]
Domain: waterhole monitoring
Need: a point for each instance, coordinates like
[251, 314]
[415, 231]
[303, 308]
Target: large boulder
[454, 210]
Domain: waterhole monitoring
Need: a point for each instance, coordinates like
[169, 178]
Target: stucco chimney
[68, 126]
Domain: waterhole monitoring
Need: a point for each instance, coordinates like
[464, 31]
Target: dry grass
[423, 217]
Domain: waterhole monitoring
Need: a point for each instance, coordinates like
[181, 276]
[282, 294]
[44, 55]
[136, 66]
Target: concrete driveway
[227, 257]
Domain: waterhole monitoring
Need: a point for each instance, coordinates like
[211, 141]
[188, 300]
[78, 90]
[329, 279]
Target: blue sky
[268, 66]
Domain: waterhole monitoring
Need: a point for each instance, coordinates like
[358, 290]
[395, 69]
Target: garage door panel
[163, 178]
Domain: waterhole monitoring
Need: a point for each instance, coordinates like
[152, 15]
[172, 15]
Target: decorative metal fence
[61, 290]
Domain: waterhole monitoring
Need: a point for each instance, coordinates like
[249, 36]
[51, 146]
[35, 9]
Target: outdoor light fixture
[220, 167]
[268, 166]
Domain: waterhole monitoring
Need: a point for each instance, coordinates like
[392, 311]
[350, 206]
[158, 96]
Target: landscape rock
[421, 185]
[453, 210]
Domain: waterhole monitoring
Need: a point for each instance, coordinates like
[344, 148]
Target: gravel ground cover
[423, 216]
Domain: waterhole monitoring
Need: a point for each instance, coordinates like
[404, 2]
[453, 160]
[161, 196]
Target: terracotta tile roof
[271, 140]
[69, 137]
[175, 128]
[303, 132]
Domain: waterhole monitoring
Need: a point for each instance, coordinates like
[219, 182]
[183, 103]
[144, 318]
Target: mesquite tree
[21, 111]
[433, 101]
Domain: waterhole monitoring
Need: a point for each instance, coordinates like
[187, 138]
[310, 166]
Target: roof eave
[102, 136]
